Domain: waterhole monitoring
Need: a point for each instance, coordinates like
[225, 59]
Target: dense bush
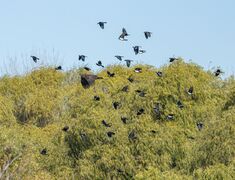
[34, 109]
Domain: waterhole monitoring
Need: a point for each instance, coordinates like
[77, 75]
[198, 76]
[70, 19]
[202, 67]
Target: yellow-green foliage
[35, 107]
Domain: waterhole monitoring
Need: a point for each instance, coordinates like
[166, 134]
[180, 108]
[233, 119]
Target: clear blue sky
[202, 30]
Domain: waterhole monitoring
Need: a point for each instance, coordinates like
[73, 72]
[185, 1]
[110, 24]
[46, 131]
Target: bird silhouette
[35, 59]
[110, 74]
[180, 104]
[170, 116]
[58, 68]
[159, 74]
[147, 34]
[96, 98]
[119, 57]
[105, 123]
[136, 49]
[218, 72]
[153, 131]
[140, 112]
[65, 129]
[172, 59]
[87, 68]
[82, 57]
[43, 151]
[138, 70]
[200, 126]
[190, 90]
[124, 119]
[116, 105]
[101, 24]
[88, 79]
[123, 35]
[99, 63]
[128, 62]
[110, 134]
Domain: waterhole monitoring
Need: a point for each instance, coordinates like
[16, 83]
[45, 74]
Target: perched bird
[116, 105]
[110, 134]
[172, 59]
[99, 63]
[119, 57]
[138, 70]
[132, 135]
[136, 49]
[124, 120]
[87, 68]
[170, 116]
[105, 123]
[65, 129]
[43, 151]
[159, 74]
[180, 104]
[58, 68]
[110, 74]
[96, 98]
[123, 35]
[130, 79]
[140, 111]
[190, 90]
[88, 79]
[35, 59]
[218, 72]
[101, 24]
[81, 57]
[141, 93]
[147, 34]
[128, 62]
[125, 88]
[200, 126]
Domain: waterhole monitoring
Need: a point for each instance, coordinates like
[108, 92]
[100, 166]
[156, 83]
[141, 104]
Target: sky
[57, 31]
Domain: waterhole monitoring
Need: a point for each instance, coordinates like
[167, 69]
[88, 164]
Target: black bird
[200, 126]
[99, 63]
[172, 59]
[128, 62]
[88, 79]
[136, 49]
[153, 131]
[35, 59]
[147, 34]
[110, 134]
[159, 73]
[105, 123]
[132, 135]
[58, 68]
[87, 68]
[138, 70]
[141, 93]
[130, 79]
[43, 151]
[218, 72]
[125, 88]
[124, 120]
[180, 104]
[170, 116]
[119, 57]
[123, 35]
[190, 90]
[110, 74]
[81, 57]
[96, 98]
[101, 24]
[65, 129]
[140, 111]
[116, 105]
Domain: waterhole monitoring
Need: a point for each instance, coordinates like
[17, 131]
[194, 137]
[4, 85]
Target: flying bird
[99, 63]
[96, 98]
[125, 88]
[119, 57]
[218, 72]
[136, 49]
[138, 70]
[190, 90]
[87, 68]
[101, 24]
[65, 129]
[81, 57]
[147, 34]
[180, 104]
[88, 79]
[123, 35]
[130, 79]
[105, 123]
[200, 126]
[140, 111]
[58, 68]
[43, 151]
[170, 116]
[110, 134]
[128, 62]
[172, 59]
[159, 74]
[124, 120]
[116, 105]
[35, 59]
[110, 74]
